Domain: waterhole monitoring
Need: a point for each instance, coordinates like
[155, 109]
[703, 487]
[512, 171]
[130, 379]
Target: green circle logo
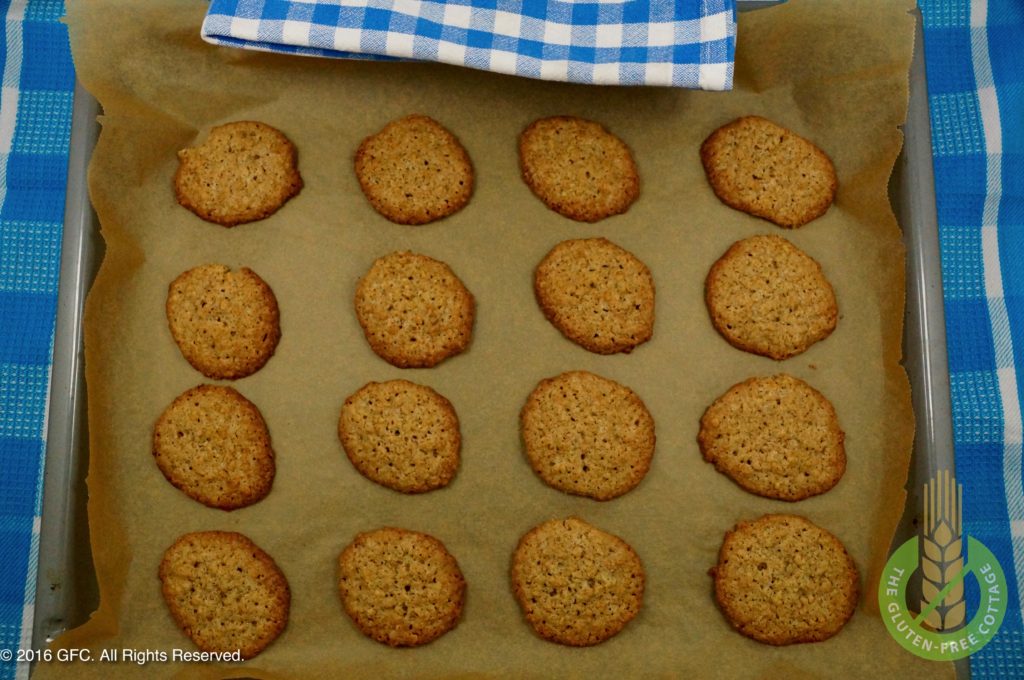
[938, 632]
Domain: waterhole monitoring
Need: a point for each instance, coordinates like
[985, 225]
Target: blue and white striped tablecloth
[35, 126]
[975, 63]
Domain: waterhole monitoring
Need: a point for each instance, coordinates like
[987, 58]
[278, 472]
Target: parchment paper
[835, 72]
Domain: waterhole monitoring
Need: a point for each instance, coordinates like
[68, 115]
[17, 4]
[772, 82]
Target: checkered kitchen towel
[35, 125]
[683, 43]
[975, 67]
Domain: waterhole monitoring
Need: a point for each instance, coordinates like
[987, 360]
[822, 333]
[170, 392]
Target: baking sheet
[313, 251]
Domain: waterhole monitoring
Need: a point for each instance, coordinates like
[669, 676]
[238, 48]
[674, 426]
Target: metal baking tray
[66, 590]
[66, 587]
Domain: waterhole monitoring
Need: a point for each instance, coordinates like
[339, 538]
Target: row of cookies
[582, 434]
[576, 585]
[764, 295]
[415, 171]
[764, 580]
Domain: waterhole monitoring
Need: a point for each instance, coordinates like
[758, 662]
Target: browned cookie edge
[283, 591]
[585, 341]
[266, 478]
[643, 463]
[403, 360]
[725, 604]
[293, 188]
[210, 369]
[457, 581]
[460, 198]
[704, 437]
[632, 187]
[451, 418]
[719, 324]
[709, 151]
[521, 595]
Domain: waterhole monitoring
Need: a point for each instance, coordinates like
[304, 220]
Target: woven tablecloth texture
[682, 43]
[35, 126]
[975, 63]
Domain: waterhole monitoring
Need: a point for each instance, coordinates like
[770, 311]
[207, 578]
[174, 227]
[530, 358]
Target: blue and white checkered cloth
[976, 93]
[35, 126]
[682, 43]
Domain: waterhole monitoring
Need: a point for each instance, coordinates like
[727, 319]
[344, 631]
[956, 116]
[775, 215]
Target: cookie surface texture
[768, 297]
[781, 580]
[587, 435]
[244, 171]
[226, 323]
[414, 171]
[577, 585]
[763, 169]
[402, 588]
[414, 310]
[578, 168]
[597, 294]
[224, 592]
[401, 435]
[776, 437]
[213, 444]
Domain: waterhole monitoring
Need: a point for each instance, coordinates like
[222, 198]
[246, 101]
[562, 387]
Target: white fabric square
[554, 70]
[8, 117]
[661, 35]
[450, 53]
[990, 122]
[507, 23]
[457, 15]
[399, 44]
[295, 32]
[608, 35]
[714, 27]
[606, 74]
[659, 73]
[557, 34]
[1008, 395]
[347, 39]
[245, 29]
[712, 76]
[503, 62]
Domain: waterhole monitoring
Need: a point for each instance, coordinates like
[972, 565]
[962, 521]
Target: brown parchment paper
[835, 72]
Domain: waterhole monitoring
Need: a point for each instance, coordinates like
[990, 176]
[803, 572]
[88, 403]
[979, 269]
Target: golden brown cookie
[587, 435]
[763, 169]
[224, 592]
[400, 587]
[768, 297]
[401, 435]
[577, 585]
[414, 310]
[243, 172]
[226, 323]
[776, 437]
[578, 168]
[414, 171]
[599, 295]
[213, 444]
[781, 580]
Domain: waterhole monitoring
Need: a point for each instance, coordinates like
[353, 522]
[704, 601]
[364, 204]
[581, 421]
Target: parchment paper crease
[835, 72]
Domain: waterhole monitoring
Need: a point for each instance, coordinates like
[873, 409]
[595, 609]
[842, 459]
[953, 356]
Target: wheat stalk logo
[941, 554]
[940, 558]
